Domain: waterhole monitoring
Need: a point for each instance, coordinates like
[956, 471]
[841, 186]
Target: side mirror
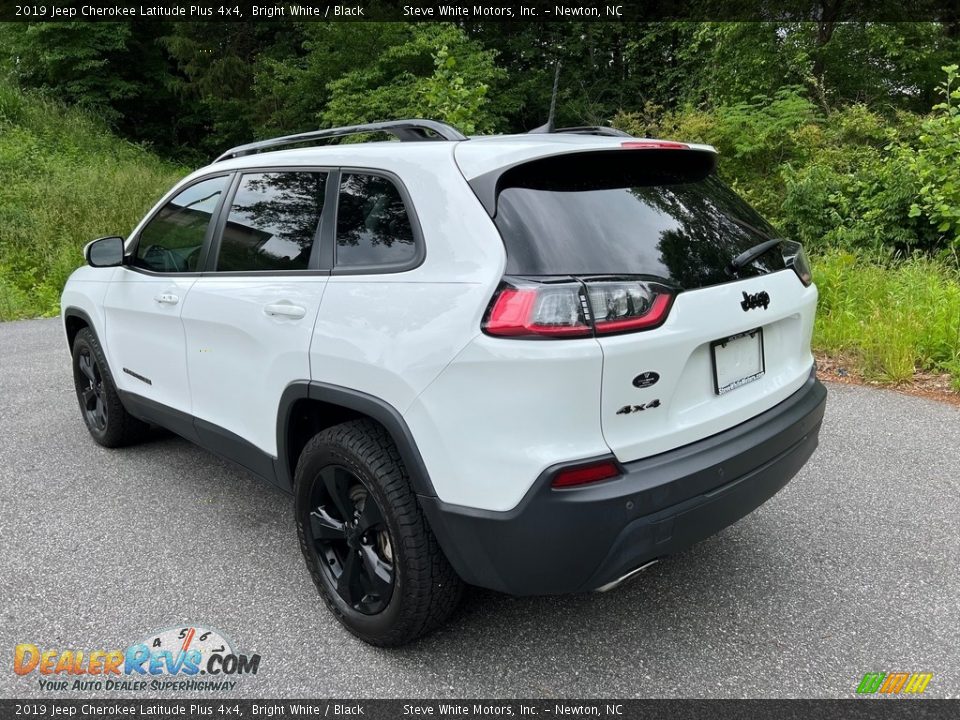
[104, 252]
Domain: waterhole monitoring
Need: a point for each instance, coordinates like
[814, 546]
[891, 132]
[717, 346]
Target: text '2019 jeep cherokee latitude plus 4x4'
[534, 363]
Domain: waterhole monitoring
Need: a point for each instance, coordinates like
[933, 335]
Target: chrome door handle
[285, 310]
[167, 299]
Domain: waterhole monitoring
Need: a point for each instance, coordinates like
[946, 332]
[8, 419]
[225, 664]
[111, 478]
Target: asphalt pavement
[854, 567]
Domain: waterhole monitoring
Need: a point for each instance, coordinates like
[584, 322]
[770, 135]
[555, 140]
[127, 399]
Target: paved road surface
[853, 567]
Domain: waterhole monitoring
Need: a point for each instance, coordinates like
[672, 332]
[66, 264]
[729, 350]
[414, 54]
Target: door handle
[167, 299]
[285, 310]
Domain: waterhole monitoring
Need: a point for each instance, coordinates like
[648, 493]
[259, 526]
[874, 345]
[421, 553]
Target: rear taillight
[538, 311]
[590, 472]
[571, 309]
[796, 257]
[620, 306]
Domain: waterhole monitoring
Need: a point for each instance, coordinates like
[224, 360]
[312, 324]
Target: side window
[171, 241]
[372, 223]
[273, 221]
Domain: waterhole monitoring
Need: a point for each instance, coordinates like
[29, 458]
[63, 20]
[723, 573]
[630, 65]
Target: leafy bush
[934, 165]
[754, 138]
[452, 99]
[432, 70]
[851, 179]
[852, 191]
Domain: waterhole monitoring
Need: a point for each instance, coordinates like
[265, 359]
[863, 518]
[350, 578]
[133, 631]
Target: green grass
[889, 320]
[64, 180]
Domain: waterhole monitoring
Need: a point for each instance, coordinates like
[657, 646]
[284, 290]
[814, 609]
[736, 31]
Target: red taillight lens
[562, 310]
[653, 145]
[546, 311]
[585, 474]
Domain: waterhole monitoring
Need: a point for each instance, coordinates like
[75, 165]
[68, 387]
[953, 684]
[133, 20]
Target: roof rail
[403, 130]
[593, 130]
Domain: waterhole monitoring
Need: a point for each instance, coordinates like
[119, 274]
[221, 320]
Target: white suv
[534, 363]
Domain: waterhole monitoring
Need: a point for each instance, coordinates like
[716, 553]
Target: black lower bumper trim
[575, 540]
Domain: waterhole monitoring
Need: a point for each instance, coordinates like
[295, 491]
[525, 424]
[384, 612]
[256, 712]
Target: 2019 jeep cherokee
[535, 363]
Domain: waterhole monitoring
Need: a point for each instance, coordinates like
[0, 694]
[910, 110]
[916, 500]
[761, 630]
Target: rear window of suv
[657, 213]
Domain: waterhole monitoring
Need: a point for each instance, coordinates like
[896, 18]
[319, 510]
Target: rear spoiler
[672, 163]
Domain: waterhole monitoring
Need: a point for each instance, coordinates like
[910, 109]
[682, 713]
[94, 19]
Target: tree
[117, 70]
[430, 67]
[215, 81]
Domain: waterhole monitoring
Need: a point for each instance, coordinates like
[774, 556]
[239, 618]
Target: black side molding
[276, 470]
[219, 441]
[151, 411]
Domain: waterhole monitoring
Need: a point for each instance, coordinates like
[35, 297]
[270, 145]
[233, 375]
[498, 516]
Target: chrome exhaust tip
[629, 576]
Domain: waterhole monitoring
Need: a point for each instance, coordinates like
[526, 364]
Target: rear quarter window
[374, 227]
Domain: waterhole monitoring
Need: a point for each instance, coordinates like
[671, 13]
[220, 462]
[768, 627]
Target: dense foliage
[846, 135]
[852, 178]
[827, 127]
[181, 86]
[64, 180]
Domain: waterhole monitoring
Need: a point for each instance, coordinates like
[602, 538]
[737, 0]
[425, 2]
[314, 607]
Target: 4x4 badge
[627, 409]
[760, 299]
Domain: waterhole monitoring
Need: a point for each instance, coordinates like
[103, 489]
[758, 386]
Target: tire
[102, 411]
[382, 572]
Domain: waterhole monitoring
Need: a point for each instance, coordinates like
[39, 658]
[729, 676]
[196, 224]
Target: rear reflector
[653, 145]
[585, 474]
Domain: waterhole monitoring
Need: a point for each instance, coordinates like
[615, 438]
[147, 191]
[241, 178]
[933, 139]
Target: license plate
[737, 360]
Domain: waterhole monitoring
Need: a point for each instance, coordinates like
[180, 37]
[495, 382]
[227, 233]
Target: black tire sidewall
[85, 341]
[369, 627]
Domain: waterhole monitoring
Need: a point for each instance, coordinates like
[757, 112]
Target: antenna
[548, 128]
[553, 98]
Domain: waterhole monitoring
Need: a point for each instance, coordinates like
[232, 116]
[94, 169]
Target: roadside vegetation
[888, 320]
[845, 135]
[876, 201]
[64, 180]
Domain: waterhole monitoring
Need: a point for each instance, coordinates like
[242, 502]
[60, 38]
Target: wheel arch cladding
[74, 320]
[308, 407]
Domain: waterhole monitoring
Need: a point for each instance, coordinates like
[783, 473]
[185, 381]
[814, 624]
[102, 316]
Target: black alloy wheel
[365, 539]
[102, 411]
[91, 392]
[351, 539]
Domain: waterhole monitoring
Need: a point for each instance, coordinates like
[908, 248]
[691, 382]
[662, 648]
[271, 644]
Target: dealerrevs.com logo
[176, 659]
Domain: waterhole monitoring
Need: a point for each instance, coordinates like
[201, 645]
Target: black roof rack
[592, 130]
[403, 130]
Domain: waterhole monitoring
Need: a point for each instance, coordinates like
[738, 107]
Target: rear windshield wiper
[748, 256]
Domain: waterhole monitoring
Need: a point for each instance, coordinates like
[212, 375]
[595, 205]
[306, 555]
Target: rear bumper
[581, 539]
